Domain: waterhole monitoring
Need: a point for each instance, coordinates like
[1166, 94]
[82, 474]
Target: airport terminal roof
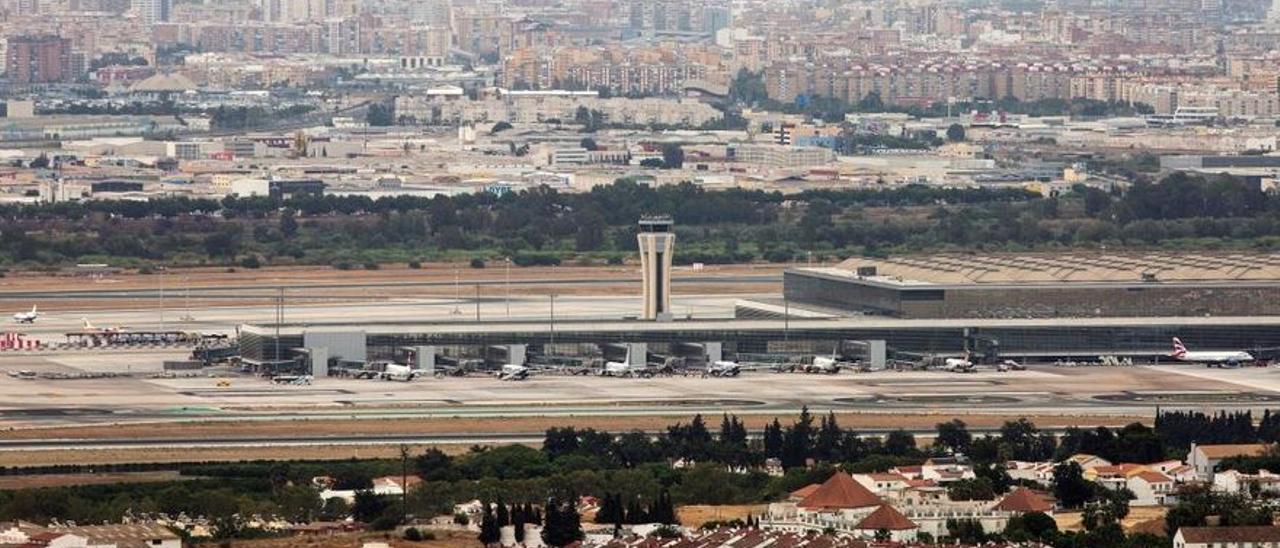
[628, 326]
[1063, 268]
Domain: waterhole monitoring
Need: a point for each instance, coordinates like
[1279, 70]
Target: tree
[381, 115]
[1032, 526]
[966, 531]
[563, 524]
[971, 489]
[652, 163]
[955, 133]
[288, 223]
[1069, 485]
[954, 435]
[899, 443]
[490, 532]
[368, 506]
[672, 156]
[499, 128]
[588, 143]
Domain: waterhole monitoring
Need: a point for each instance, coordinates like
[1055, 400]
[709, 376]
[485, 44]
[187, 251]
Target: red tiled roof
[840, 491]
[1023, 499]
[886, 517]
[1205, 535]
[805, 491]
[1154, 477]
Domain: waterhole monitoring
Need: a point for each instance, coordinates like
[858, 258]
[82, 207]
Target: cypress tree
[504, 514]
[489, 532]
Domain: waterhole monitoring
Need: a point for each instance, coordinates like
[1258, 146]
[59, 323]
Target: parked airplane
[822, 364]
[958, 365]
[721, 368]
[397, 372]
[90, 328]
[514, 372]
[1209, 357]
[27, 317]
[294, 380]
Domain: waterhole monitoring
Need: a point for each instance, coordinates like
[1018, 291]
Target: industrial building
[1044, 286]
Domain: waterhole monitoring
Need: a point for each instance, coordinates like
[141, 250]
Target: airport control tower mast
[657, 243]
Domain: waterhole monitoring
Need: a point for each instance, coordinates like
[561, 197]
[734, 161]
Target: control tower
[657, 243]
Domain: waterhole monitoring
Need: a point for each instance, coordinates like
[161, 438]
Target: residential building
[1205, 458]
[1263, 536]
[38, 60]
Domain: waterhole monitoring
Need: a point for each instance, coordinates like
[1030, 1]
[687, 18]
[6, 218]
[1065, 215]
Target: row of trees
[631, 472]
[543, 226]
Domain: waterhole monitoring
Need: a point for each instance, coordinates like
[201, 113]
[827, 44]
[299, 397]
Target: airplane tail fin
[87, 325]
[1178, 348]
[33, 308]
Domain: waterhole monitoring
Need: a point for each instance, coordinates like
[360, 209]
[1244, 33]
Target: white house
[881, 484]
[1252, 485]
[1204, 458]
[1151, 488]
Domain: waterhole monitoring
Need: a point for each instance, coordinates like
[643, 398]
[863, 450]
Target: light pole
[553, 320]
[162, 271]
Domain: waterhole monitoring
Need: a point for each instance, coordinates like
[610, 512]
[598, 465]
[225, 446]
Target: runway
[138, 398]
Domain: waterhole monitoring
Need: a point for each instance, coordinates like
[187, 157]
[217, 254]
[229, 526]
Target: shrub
[415, 265]
[342, 265]
[370, 266]
[251, 261]
[477, 263]
[412, 534]
[384, 523]
[461, 519]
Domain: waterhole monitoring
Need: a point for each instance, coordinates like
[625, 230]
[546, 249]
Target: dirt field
[443, 540]
[695, 516]
[67, 480]
[1140, 517]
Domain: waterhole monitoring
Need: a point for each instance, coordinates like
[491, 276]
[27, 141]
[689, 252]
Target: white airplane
[721, 368]
[27, 317]
[1181, 354]
[514, 372]
[90, 328]
[958, 365]
[397, 372]
[617, 369]
[292, 380]
[822, 364]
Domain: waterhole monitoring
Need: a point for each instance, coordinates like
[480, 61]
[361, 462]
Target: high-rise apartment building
[153, 11]
[38, 60]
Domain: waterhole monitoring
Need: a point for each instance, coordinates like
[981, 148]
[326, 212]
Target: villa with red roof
[849, 507]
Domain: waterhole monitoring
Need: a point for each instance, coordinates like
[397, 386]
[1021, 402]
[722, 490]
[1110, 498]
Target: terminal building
[1044, 286]
[1024, 307]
